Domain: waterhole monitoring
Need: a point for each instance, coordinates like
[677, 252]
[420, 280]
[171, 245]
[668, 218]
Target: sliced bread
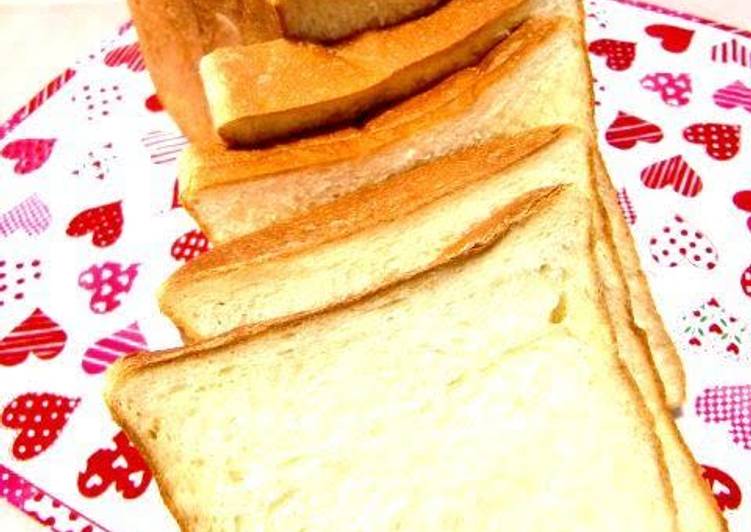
[539, 76]
[272, 89]
[484, 394]
[379, 234]
[235, 192]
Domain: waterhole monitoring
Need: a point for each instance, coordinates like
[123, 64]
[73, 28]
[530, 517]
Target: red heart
[104, 222]
[746, 281]
[714, 328]
[733, 348]
[153, 104]
[30, 153]
[729, 495]
[694, 341]
[722, 141]
[742, 200]
[190, 245]
[674, 39]
[39, 418]
[101, 464]
[626, 130]
[673, 172]
[620, 54]
[128, 55]
[37, 335]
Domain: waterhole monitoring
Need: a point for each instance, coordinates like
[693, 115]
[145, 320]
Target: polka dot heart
[15, 278]
[678, 242]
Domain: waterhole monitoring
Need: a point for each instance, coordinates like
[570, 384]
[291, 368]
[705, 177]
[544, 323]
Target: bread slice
[235, 192]
[173, 35]
[485, 394]
[272, 89]
[369, 238]
[329, 20]
[385, 232]
[231, 193]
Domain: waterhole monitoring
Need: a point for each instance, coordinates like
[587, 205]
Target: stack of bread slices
[423, 309]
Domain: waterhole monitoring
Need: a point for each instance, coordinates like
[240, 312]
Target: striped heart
[734, 95]
[37, 335]
[626, 130]
[675, 173]
[104, 352]
[731, 52]
[128, 55]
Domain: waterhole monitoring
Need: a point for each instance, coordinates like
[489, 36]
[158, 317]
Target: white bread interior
[457, 400]
[383, 233]
[542, 67]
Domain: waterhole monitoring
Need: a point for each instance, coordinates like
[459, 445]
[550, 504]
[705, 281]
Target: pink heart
[673, 90]
[31, 215]
[728, 404]
[30, 154]
[734, 95]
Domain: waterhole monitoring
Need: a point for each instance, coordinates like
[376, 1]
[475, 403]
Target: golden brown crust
[482, 235]
[664, 356]
[370, 206]
[522, 209]
[272, 89]
[331, 20]
[175, 34]
[208, 165]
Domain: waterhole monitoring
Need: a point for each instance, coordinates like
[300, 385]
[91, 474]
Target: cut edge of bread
[485, 236]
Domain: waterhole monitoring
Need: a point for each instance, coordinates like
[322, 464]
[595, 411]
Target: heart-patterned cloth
[91, 224]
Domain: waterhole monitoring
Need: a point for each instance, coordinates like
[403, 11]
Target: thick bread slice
[233, 193]
[367, 239]
[482, 395]
[268, 90]
[327, 20]
[175, 34]
[387, 231]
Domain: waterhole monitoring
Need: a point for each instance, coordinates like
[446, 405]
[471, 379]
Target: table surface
[70, 27]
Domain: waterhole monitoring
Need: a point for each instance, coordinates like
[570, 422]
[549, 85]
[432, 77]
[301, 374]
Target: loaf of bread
[383, 233]
[175, 34]
[272, 89]
[484, 394]
[539, 76]
[235, 192]
[328, 20]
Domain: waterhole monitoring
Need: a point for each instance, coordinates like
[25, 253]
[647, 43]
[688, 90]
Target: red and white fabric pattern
[91, 225]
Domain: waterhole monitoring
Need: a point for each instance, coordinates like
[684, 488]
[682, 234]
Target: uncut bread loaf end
[174, 35]
[328, 20]
[270, 90]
